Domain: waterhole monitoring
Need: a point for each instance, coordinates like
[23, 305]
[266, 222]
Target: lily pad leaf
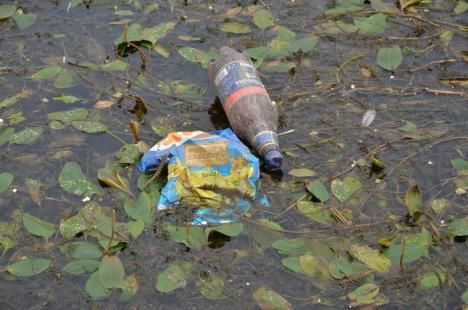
[343, 190]
[263, 19]
[5, 181]
[7, 10]
[389, 58]
[94, 288]
[27, 135]
[413, 200]
[28, 267]
[38, 227]
[234, 27]
[81, 250]
[111, 272]
[89, 126]
[317, 189]
[372, 258]
[81, 266]
[173, 277]
[73, 180]
[268, 299]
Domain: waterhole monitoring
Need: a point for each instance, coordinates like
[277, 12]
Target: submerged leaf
[263, 19]
[268, 299]
[413, 200]
[389, 58]
[7, 10]
[69, 116]
[459, 227]
[372, 24]
[343, 190]
[211, 286]
[5, 181]
[234, 27]
[372, 258]
[24, 21]
[38, 227]
[367, 294]
[47, 73]
[28, 267]
[173, 277]
[302, 172]
[27, 135]
[317, 189]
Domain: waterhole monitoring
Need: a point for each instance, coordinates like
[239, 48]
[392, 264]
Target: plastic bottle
[251, 113]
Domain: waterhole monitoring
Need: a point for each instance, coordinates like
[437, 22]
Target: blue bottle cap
[273, 160]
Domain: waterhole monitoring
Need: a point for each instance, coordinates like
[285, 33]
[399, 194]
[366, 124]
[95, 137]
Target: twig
[343, 65]
[435, 62]
[445, 92]
[109, 245]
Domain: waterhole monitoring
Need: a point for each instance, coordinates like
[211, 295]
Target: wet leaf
[115, 66]
[89, 127]
[73, 180]
[368, 118]
[111, 272]
[234, 27]
[25, 93]
[150, 8]
[292, 263]
[304, 44]
[24, 21]
[343, 190]
[191, 236]
[263, 19]
[315, 212]
[136, 227]
[280, 66]
[69, 116]
[158, 48]
[431, 280]
[66, 99]
[439, 205]
[129, 288]
[460, 8]
[344, 8]
[367, 294]
[372, 24]
[38, 227]
[290, 246]
[211, 286]
[128, 154]
[409, 127]
[270, 224]
[268, 299]
[459, 164]
[103, 104]
[465, 297]
[197, 56]
[47, 73]
[382, 6]
[27, 135]
[5, 181]
[302, 172]
[94, 288]
[413, 247]
[28, 267]
[406, 3]
[446, 37]
[372, 258]
[81, 266]
[459, 227]
[173, 277]
[72, 226]
[6, 134]
[413, 200]
[342, 267]
[65, 79]
[7, 11]
[141, 210]
[389, 58]
[81, 250]
[229, 229]
[314, 267]
[317, 189]
[111, 177]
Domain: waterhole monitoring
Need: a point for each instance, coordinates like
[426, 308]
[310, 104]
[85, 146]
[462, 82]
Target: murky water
[321, 102]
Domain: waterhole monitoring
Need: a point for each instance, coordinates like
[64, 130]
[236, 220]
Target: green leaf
[234, 27]
[150, 8]
[211, 286]
[367, 294]
[372, 258]
[25, 21]
[268, 299]
[65, 79]
[69, 116]
[386, 7]
[74, 181]
[292, 263]
[155, 33]
[38, 227]
[141, 209]
[81, 250]
[372, 24]
[28, 267]
[111, 272]
[263, 19]
[191, 236]
[439, 205]
[124, 13]
[6, 134]
[342, 267]
[66, 99]
[5, 181]
[317, 189]
[314, 267]
[280, 66]
[413, 247]
[343, 190]
[413, 200]
[290, 246]
[47, 73]
[430, 281]
[465, 297]
[111, 177]
[89, 126]
[315, 212]
[135, 228]
[460, 8]
[302, 172]
[389, 58]
[81, 266]
[270, 224]
[94, 288]
[7, 11]
[304, 44]
[128, 154]
[459, 227]
[115, 66]
[27, 135]
[197, 56]
[459, 164]
[343, 9]
[25, 93]
[129, 288]
[409, 127]
[229, 229]
[173, 277]
[72, 226]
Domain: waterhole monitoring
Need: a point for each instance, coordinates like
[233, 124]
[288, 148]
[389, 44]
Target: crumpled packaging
[214, 173]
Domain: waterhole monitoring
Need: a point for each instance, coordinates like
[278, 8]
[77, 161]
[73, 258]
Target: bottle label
[236, 80]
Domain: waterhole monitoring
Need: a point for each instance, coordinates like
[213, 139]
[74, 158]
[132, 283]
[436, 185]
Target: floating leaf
[446, 37]
[234, 27]
[268, 299]
[459, 164]
[111, 177]
[197, 56]
[342, 267]
[293, 263]
[409, 127]
[191, 236]
[280, 66]
[7, 11]
[6, 134]
[81, 266]
[290, 246]
[115, 66]
[460, 8]
[28, 267]
[27, 135]
[103, 104]
[459, 227]
[72, 226]
[270, 224]
[142, 209]
[368, 118]
[47, 73]
[302, 172]
[389, 58]
[211, 286]
[65, 79]
[38, 227]
[372, 24]
[439, 205]
[173, 277]
[229, 229]
[317, 189]
[413, 247]
[343, 190]
[432, 280]
[344, 8]
[406, 3]
[111, 272]
[367, 294]
[24, 21]
[73, 180]
[89, 126]
[465, 297]
[314, 267]
[380, 5]
[315, 212]
[66, 99]
[263, 19]
[129, 288]
[413, 200]
[5, 181]
[372, 258]
[94, 288]
[128, 154]
[25, 93]
[81, 250]
[304, 44]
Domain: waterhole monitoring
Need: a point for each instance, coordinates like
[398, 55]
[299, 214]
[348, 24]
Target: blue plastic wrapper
[214, 172]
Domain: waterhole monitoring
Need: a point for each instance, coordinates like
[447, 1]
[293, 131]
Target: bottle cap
[273, 160]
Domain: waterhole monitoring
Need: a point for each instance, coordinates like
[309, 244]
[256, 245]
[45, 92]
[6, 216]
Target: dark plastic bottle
[251, 113]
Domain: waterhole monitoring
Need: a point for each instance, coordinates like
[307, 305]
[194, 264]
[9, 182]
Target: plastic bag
[214, 172]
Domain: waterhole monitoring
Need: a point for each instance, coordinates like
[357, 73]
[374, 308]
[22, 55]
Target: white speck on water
[14, 190]
[430, 162]
[1, 120]
[442, 222]
[392, 76]
[247, 283]
[86, 199]
[353, 86]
